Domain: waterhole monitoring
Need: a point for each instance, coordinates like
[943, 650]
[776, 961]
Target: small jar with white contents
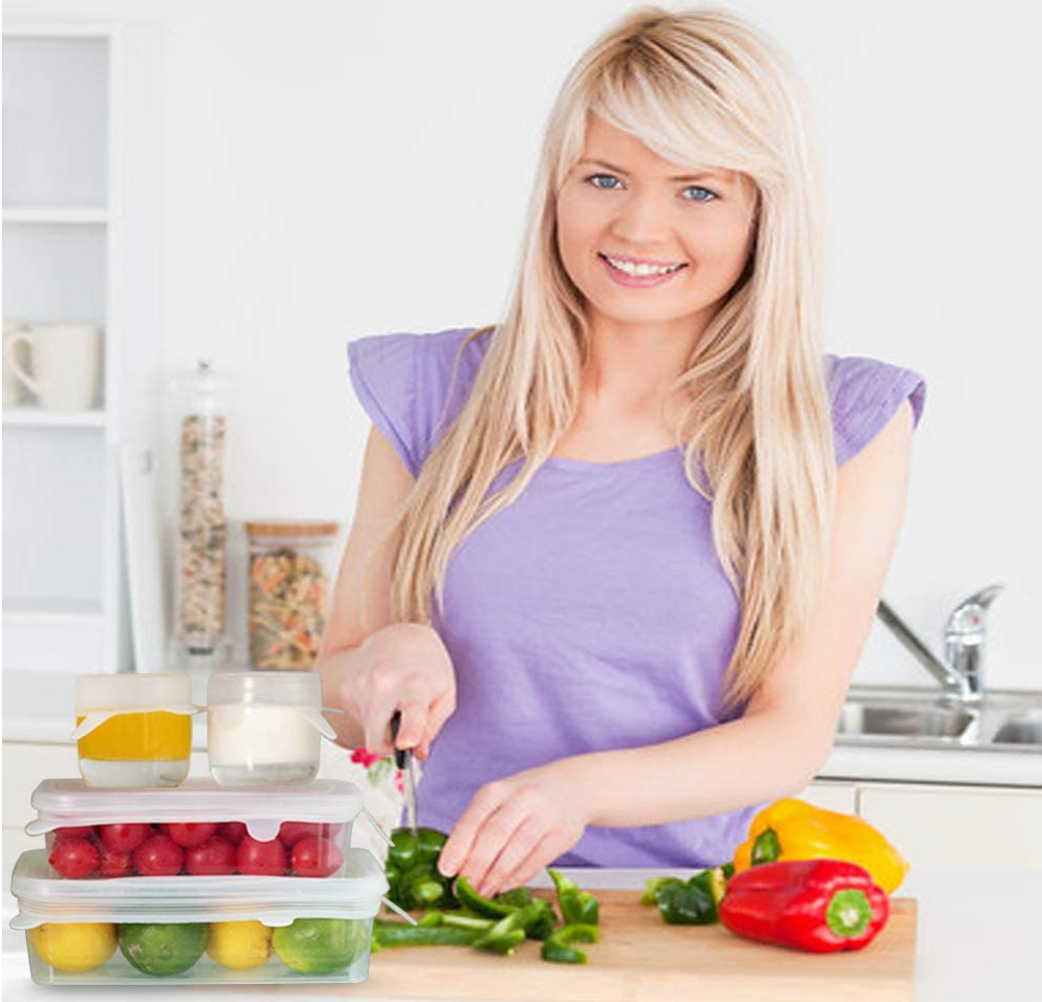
[265, 729]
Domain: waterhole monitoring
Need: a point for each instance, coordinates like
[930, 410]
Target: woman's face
[622, 201]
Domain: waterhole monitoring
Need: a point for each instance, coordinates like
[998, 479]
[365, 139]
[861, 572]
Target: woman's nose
[644, 220]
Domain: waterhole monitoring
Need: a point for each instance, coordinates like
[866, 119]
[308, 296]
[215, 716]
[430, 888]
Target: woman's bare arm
[369, 664]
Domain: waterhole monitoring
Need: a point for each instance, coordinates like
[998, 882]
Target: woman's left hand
[513, 828]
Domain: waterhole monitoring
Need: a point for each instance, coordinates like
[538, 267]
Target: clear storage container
[198, 930]
[290, 585]
[265, 728]
[200, 829]
[134, 730]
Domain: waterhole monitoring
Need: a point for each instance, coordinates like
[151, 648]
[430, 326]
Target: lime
[239, 946]
[163, 949]
[74, 946]
[321, 946]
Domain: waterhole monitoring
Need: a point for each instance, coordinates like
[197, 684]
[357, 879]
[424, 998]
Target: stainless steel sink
[915, 717]
[903, 720]
[1020, 729]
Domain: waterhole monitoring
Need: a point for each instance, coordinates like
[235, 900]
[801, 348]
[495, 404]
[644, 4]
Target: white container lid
[276, 688]
[275, 901]
[130, 691]
[61, 803]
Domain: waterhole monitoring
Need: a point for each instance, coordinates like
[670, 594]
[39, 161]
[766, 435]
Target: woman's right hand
[403, 666]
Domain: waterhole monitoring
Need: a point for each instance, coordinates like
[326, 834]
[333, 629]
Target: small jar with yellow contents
[134, 730]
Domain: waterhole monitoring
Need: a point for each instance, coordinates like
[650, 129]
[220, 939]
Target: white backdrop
[335, 169]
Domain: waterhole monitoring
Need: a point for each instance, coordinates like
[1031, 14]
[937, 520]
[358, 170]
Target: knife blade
[403, 760]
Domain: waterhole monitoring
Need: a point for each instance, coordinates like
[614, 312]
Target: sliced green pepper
[691, 902]
[577, 907]
[490, 907]
[387, 933]
[505, 934]
[429, 843]
[404, 851]
[558, 948]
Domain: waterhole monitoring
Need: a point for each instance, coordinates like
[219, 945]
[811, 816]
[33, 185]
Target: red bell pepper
[820, 905]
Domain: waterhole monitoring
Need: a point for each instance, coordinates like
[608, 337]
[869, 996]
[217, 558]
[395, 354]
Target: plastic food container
[291, 573]
[202, 930]
[200, 829]
[265, 728]
[134, 730]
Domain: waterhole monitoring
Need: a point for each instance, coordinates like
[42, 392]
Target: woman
[615, 558]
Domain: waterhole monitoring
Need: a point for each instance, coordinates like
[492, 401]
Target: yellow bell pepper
[793, 829]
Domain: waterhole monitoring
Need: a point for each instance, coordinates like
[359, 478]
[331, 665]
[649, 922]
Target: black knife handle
[401, 755]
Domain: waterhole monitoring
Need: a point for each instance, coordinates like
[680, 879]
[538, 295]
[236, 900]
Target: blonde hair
[701, 88]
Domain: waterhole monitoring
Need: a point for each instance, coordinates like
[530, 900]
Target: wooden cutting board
[640, 957]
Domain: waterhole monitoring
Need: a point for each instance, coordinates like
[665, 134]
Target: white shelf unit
[81, 232]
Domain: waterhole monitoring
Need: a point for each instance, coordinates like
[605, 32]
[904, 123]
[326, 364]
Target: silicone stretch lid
[130, 691]
[61, 803]
[43, 897]
[282, 688]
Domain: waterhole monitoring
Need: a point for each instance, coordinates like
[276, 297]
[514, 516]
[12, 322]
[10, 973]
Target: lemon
[239, 946]
[74, 946]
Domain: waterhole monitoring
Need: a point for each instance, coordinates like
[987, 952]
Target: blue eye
[705, 195]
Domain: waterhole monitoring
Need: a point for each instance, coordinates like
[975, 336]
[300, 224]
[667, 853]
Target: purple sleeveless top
[592, 613]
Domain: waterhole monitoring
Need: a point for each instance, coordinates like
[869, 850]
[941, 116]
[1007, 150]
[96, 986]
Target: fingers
[440, 710]
[456, 853]
[544, 852]
[520, 846]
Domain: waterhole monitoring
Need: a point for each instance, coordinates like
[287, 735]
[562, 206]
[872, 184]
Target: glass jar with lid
[291, 571]
[202, 528]
[265, 728]
[134, 730]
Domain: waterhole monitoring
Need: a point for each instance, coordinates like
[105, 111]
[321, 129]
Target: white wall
[335, 169]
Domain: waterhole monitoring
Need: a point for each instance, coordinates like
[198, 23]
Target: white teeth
[642, 269]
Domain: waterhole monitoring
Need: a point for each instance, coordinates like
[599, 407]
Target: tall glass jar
[202, 528]
[290, 584]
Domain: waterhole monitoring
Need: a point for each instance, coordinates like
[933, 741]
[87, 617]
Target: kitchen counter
[977, 938]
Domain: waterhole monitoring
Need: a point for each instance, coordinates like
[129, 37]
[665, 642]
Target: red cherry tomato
[158, 856]
[233, 831]
[291, 832]
[192, 833]
[212, 858]
[116, 863]
[316, 857]
[81, 831]
[267, 858]
[126, 837]
[75, 858]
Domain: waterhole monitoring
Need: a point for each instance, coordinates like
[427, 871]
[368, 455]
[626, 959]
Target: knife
[403, 759]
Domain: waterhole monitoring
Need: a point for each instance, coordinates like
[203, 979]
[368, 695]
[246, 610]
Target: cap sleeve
[403, 383]
[865, 394]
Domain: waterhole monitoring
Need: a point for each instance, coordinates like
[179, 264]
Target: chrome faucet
[961, 673]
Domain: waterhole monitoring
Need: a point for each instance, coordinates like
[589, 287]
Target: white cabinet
[81, 239]
[943, 826]
[959, 828]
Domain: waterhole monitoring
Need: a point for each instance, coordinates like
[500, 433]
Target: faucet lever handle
[968, 617]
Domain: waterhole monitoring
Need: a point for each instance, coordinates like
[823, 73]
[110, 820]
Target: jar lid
[131, 691]
[283, 688]
[282, 527]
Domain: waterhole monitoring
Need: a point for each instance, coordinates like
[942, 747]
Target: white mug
[12, 387]
[65, 361]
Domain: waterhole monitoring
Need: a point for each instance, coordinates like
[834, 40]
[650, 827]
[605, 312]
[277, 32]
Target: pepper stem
[848, 912]
[766, 848]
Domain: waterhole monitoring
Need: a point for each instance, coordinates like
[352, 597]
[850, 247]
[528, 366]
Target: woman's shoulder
[865, 393]
[412, 385]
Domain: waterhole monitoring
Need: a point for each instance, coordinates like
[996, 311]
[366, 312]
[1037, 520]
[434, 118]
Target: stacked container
[252, 883]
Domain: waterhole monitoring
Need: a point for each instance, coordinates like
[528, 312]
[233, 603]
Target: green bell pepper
[577, 907]
[558, 948]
